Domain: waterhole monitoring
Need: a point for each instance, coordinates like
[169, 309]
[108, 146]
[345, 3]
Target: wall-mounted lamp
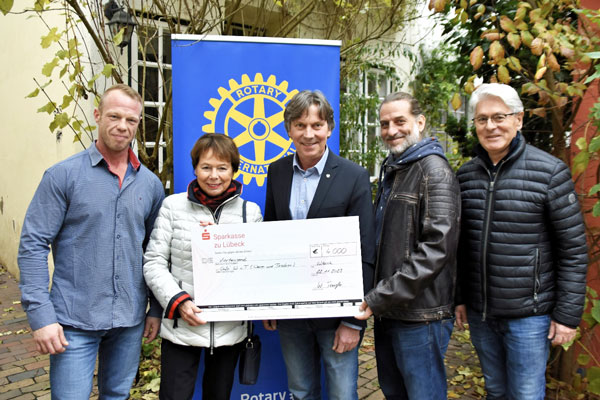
[119, 19]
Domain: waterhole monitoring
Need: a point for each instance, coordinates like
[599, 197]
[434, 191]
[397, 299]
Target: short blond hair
[125, 89]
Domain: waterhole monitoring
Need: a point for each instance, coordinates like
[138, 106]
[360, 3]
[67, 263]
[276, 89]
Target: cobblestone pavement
[24, 372]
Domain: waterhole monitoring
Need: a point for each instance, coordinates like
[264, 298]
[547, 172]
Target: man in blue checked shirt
[95, 210]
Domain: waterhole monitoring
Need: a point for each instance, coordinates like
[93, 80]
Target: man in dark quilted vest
[522, 254]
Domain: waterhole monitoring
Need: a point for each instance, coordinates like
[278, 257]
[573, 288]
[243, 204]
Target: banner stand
[239, 86]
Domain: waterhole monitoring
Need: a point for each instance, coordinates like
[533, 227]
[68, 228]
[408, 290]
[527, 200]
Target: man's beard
[409, 140]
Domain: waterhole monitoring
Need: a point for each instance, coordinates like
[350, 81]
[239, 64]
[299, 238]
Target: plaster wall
[28, 146]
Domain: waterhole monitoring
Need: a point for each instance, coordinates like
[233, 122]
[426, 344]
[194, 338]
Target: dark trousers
[179, 368]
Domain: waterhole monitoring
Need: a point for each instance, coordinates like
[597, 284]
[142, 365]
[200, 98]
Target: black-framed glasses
[496, 118]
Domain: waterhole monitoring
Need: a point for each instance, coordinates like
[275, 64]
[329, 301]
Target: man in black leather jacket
[523, 255]
[417, 227]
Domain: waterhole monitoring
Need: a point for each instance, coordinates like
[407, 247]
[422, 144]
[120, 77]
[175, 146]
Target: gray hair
[415, 107]
[507, 94]
[301, 102]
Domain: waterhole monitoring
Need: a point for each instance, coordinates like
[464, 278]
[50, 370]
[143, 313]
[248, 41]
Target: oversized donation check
[277, 270]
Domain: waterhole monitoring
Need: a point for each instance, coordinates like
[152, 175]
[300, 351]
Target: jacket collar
[325, 182]
[516, 148]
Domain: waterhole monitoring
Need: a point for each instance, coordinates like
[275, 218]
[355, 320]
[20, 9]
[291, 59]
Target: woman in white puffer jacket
[212, 198]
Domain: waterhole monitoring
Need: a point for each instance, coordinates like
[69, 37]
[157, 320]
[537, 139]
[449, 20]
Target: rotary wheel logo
[251, 113]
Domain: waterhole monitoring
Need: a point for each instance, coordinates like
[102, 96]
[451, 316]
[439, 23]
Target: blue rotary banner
[239, 86]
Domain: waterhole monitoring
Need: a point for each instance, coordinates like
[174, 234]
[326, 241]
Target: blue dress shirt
[304, 186]
[97, 231]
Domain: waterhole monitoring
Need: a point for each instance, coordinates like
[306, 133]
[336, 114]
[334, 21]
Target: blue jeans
[512, 354]
[410, 358]
[303, 347]
[72, 372]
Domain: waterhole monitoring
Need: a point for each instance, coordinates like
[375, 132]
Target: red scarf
[212, 202]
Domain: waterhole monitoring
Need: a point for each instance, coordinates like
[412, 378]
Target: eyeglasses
[496, 119]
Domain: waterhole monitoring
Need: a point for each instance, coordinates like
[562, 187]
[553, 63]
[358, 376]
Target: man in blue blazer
[316, 183]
